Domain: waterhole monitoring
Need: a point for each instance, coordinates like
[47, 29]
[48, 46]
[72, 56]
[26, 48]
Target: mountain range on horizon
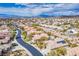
[40, 16]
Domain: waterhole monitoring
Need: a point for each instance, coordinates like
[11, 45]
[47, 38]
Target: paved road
[32, 50]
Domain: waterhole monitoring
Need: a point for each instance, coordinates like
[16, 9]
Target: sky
[39, 9]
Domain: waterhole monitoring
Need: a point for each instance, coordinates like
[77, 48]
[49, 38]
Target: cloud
[31, 10]
[24, 11]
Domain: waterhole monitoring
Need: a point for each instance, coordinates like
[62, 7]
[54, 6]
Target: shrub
[43, 38]
[72, 45]
[34, 24]
[49, 33]
[58, 52]
[39, 29]
[41, 44]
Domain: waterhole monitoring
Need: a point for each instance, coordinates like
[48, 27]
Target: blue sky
[39, 10]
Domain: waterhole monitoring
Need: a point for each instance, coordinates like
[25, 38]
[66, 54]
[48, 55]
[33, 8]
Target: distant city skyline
[39, 9]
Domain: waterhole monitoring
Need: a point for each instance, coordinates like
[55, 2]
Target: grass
[25, 38]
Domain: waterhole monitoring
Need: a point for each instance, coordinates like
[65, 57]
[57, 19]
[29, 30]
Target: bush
[49, 33]
[31, 34]
[41, 44]
[58, 52]
[34, 24]
[72, 45]
[39, 29]
[67, 41]
[77, 34]
[43, 38]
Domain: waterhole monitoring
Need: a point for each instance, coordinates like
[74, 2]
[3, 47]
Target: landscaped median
[24, 36]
